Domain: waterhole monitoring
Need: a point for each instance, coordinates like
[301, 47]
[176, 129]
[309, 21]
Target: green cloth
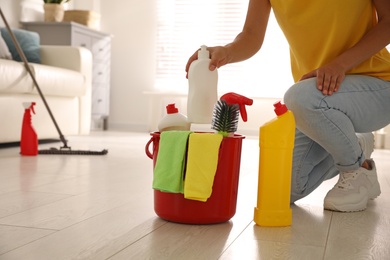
[170, 163]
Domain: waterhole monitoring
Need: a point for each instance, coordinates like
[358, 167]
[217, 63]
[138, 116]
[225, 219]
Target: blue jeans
[325, 140]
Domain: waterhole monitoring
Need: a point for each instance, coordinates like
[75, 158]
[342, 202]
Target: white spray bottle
[202, 91]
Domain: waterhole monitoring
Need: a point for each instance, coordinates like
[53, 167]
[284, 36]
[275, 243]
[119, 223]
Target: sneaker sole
[360, 206]
[375, 191]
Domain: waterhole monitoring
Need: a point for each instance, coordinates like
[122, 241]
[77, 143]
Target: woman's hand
[329, 78]
[218, 55]
[247, 43]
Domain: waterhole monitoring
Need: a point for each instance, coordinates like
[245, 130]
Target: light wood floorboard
[101, 207]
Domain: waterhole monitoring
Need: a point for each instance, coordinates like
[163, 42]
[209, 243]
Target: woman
[342, 74]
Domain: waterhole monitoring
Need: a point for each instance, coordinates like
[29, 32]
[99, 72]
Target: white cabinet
[74, 34]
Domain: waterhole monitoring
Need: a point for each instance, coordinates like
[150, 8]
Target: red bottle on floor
[29, 138]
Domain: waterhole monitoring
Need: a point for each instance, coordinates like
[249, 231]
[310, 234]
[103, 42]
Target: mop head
[72, 152]
[225, 117]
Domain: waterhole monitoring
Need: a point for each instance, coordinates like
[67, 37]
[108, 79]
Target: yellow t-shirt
[318, 31]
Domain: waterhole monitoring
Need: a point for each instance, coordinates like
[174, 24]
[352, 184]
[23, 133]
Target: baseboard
[128, 127]
[17, 144]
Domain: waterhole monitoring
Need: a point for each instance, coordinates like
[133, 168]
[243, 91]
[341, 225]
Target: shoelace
[345, 177]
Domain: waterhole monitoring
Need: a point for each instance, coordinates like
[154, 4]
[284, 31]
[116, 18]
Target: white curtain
[184, 25]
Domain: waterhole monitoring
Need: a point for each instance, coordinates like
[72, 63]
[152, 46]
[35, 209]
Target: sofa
[64, 75]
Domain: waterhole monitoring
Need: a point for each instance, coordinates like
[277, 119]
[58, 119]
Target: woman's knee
[303, 97]
[296, 95]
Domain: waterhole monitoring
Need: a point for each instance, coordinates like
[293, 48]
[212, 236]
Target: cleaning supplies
[274, 184]
[29, 138]
[173, 120]
[226, 113]
[202, 91]
[221, 206]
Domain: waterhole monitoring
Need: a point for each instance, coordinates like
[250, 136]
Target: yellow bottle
[275, 164]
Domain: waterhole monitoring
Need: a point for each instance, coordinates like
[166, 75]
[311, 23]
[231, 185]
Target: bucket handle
[148, 153]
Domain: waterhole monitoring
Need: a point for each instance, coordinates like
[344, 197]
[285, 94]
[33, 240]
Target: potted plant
[54, 10]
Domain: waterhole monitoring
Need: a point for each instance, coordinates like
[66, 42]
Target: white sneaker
[353, 190]
[366, 141]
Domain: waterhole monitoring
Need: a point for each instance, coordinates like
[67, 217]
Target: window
[184, 25]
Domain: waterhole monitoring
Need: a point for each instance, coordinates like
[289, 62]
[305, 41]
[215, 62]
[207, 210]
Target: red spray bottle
[29, 138]
[227, 111]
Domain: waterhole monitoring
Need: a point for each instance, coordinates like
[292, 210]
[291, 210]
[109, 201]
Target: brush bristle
[225, 117]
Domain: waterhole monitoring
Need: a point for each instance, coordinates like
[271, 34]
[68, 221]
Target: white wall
[132, 24]
[11, 11]
[92, 5]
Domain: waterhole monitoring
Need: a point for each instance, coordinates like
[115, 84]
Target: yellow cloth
[202, 162]
[318, 31]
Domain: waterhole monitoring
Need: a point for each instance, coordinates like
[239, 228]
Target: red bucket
[221, 206]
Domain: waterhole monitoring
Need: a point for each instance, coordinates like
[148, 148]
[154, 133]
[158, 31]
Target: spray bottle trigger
[29, 105]
[234, 98]
[32, 107]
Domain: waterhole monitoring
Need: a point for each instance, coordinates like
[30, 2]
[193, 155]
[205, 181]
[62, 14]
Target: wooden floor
[101, 207]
